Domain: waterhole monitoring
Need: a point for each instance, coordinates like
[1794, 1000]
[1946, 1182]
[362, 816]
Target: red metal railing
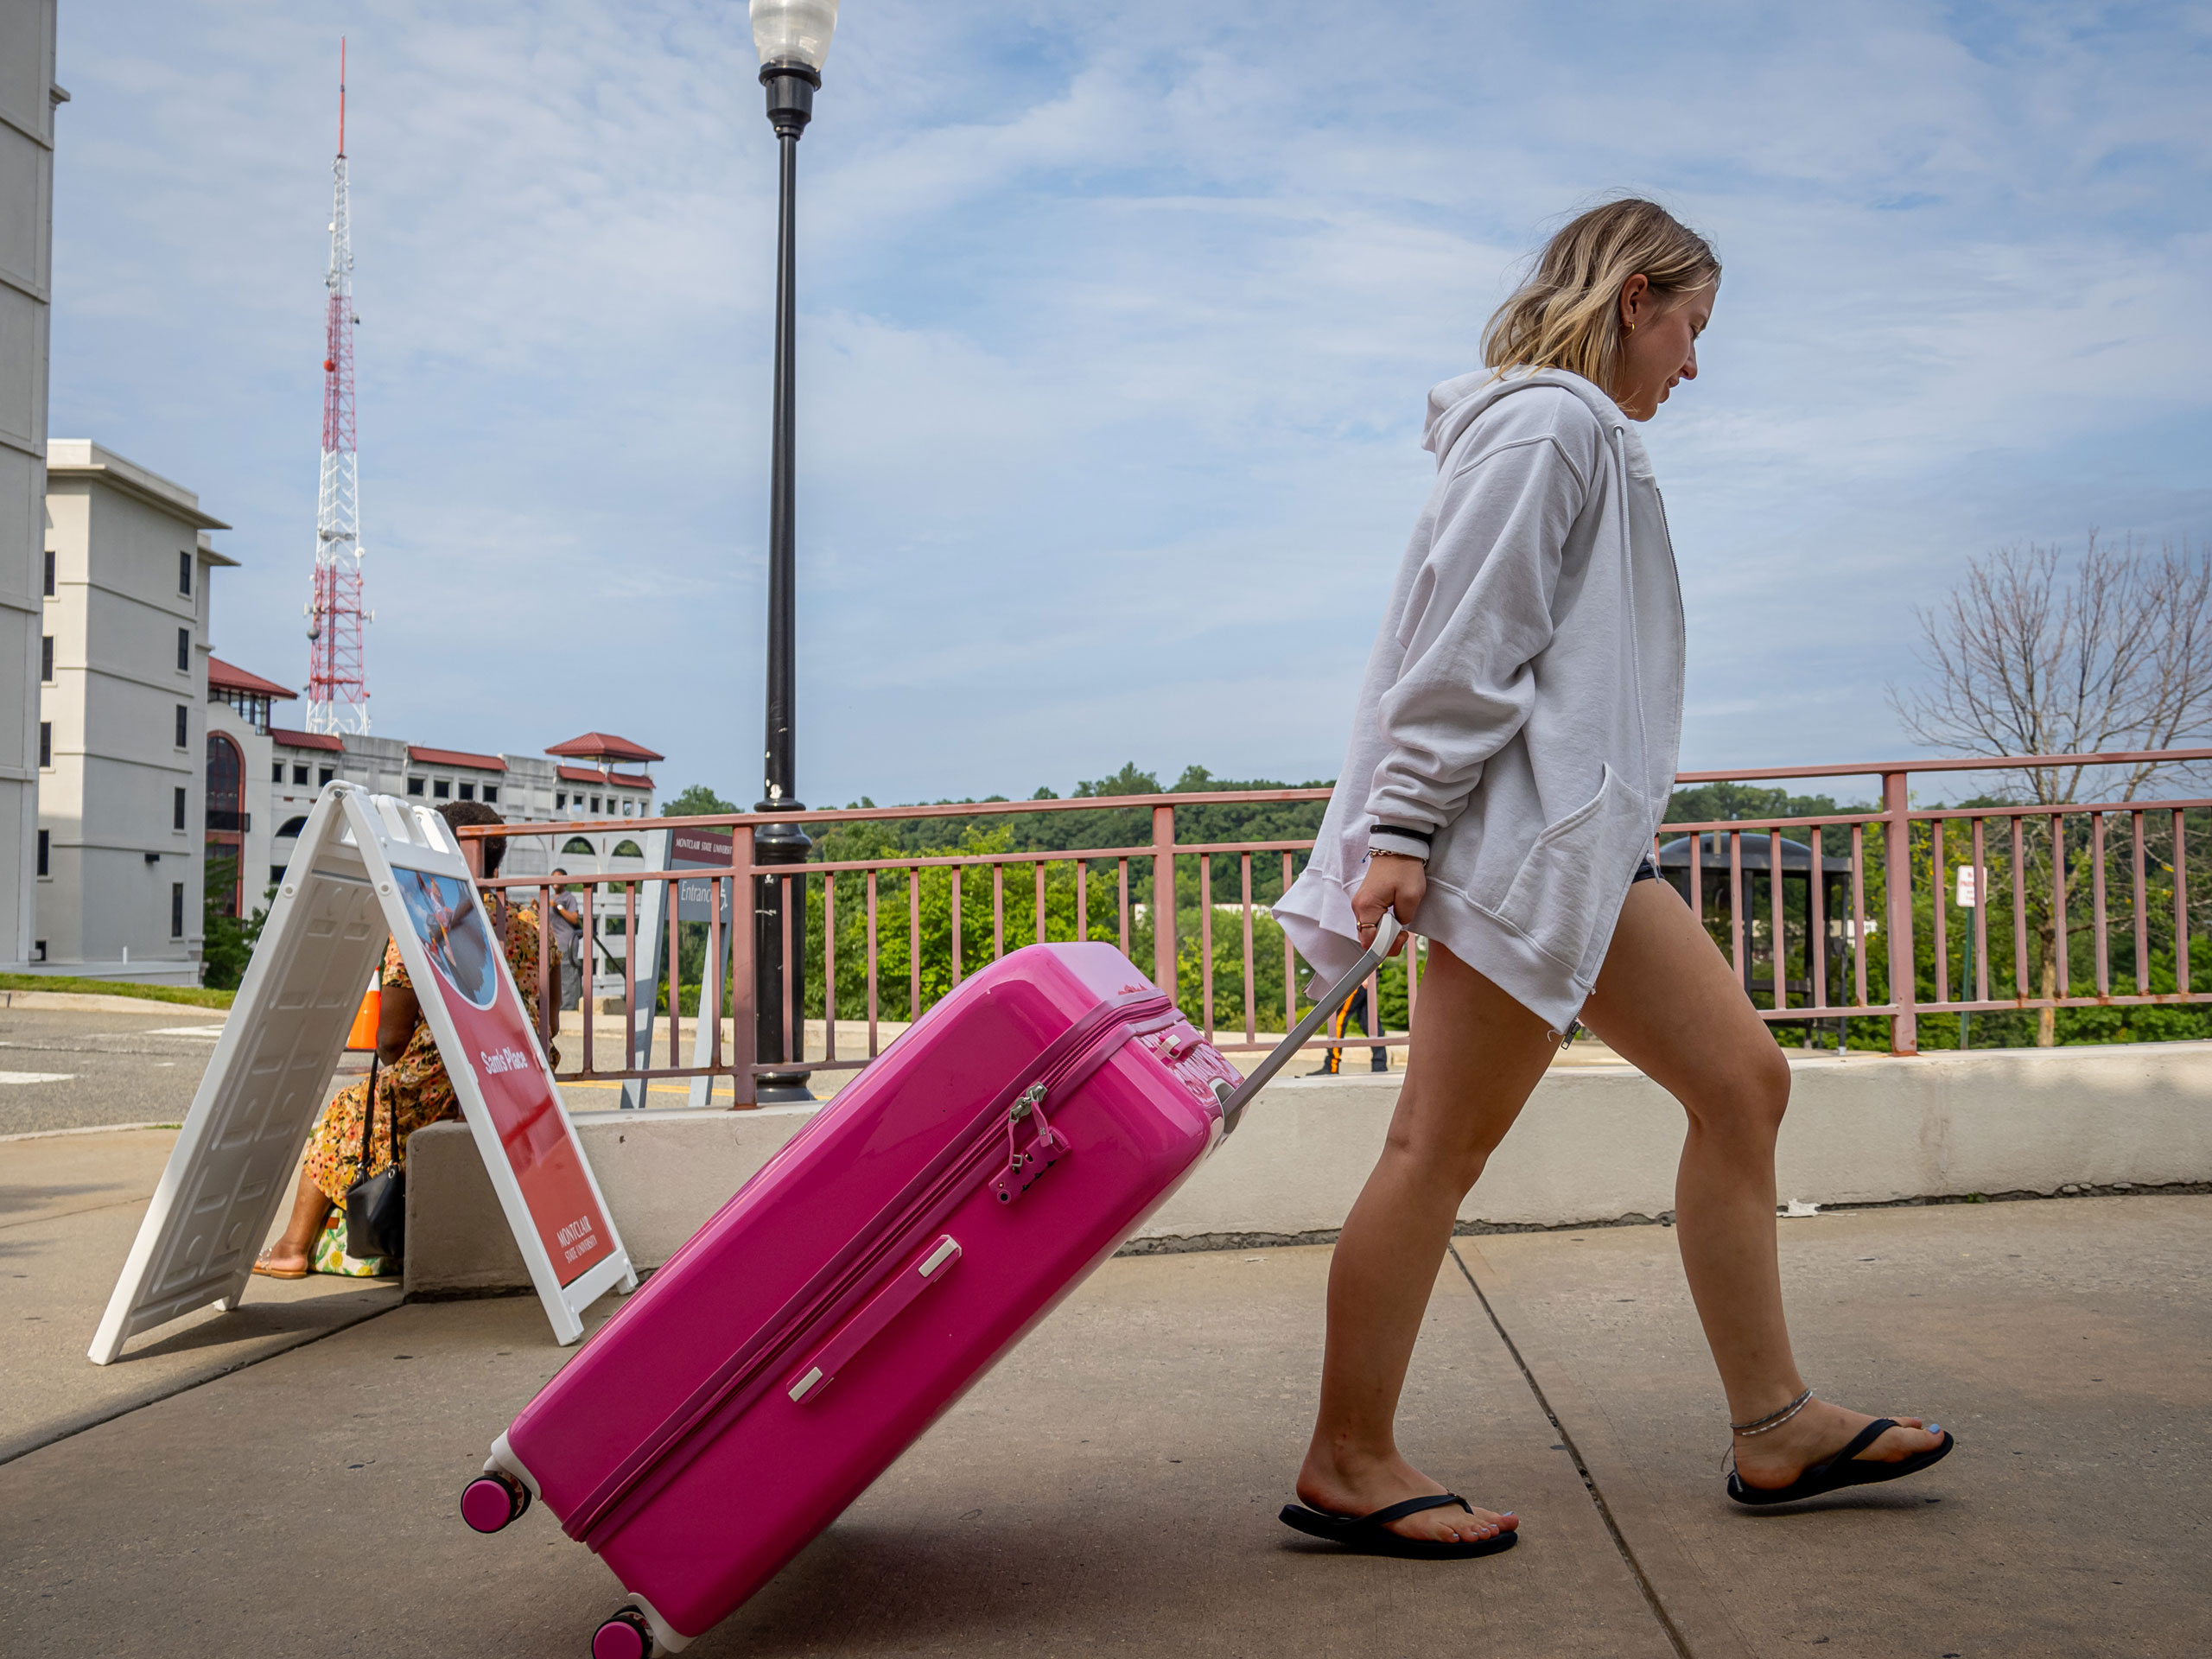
[1828, 951]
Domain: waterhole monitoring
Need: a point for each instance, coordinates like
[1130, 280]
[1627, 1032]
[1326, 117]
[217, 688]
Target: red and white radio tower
[338, 687]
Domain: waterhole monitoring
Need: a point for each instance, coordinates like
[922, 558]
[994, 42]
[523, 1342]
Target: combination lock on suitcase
[874, 1269]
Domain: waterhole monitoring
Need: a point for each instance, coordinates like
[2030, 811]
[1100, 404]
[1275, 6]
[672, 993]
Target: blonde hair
[1566, 313]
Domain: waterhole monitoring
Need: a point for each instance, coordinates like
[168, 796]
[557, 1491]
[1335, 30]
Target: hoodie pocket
[1566, 896]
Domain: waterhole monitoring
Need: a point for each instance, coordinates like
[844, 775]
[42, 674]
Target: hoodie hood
[1453, 405]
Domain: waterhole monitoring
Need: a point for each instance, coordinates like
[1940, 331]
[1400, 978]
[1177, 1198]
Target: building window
[176, 814]
[292, 827]
[468, 791]
[46, 743]
[323, 775]
[491, 794]
[299, 774]
[275, 875]
[176, 910]
[184, 574]
[49, 572]
[38, 950]
[252, 709]
[46, 658]
[184, 725]
[560, 801]
[44, 841]
[595, 803]
[414, 785]
[184, 651]
[441, 790]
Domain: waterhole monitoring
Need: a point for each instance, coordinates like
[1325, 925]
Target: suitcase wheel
[626, 1636]
[490, 1502]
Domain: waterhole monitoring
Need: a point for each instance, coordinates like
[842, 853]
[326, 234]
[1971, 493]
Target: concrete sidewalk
[1111, 1488]
[70, 1205]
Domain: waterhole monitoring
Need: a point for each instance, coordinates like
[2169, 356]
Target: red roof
[618, 779]
[224, 677]
[307, 739]
[457, 758]
[603, 745]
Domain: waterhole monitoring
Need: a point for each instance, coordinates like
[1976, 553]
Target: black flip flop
[1370, 1534]
[1843, 1469]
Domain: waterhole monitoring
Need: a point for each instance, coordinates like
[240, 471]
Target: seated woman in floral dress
[412, 1088]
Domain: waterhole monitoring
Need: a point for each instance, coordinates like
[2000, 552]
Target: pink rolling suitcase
[937, 1208]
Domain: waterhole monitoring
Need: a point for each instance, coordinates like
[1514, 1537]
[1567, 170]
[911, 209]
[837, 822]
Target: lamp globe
[794, 32]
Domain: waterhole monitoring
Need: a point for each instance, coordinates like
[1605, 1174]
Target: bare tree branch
[2025, 657]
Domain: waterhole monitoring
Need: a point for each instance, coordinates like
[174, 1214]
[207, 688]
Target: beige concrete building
[279, 771]
[28, 98]
[123, 659]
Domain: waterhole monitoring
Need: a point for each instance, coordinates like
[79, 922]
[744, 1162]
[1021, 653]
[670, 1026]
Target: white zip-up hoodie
[1522, 713]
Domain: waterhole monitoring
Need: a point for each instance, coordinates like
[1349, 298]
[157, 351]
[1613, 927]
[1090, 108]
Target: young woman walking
[1512, 758]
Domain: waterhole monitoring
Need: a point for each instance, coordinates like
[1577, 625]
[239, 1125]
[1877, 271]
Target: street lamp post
[792, 37]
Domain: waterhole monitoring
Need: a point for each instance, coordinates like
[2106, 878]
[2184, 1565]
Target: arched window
[628, 849]
[292, 827]
[577, 846]
[226, 778]
[226, 885]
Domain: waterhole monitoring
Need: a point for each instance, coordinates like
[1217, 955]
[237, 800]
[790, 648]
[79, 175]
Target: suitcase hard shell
[866, 1277]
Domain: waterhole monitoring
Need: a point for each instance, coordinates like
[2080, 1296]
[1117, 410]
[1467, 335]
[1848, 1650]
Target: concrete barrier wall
[1595, 1144]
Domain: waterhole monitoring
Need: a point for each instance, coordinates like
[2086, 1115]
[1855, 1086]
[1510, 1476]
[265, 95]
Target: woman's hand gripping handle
[1394, 884]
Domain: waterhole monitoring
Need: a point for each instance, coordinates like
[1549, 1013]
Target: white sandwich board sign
[367, 867]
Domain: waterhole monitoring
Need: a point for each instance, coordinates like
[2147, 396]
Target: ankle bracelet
[1774, 1419]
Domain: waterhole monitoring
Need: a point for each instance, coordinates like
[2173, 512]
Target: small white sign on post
[367, 868]
[1969, 894]
[697, 900]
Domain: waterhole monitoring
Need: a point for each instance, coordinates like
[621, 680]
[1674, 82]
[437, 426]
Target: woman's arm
[1481, 615]
[396, 1018]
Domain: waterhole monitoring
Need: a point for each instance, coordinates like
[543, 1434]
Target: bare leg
[294, 1252]
[1476, 1054]
[1668, 1002]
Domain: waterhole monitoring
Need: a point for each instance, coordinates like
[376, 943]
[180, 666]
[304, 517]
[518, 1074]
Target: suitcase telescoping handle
[1234, 1100]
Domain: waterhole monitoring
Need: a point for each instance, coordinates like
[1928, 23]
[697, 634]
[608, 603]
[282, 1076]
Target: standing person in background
[1355, 1008]
[1512, 758]
[568, 946]
[412, 1088]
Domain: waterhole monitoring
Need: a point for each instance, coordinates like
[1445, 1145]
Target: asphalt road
[65, 1070]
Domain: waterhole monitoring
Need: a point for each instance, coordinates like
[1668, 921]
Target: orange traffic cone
[363, 1034]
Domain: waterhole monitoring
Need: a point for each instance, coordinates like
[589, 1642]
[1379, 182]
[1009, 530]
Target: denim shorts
[1647, 871]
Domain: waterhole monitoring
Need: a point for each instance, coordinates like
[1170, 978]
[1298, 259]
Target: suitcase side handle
[934, 1264]
[1234, 1100]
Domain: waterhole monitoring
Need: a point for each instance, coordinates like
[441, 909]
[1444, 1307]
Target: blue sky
[1116, 324]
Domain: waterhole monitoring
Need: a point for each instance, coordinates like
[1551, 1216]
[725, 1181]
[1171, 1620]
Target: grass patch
[198, 996]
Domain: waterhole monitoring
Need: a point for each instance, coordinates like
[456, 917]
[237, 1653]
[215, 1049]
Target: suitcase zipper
[736, 1385]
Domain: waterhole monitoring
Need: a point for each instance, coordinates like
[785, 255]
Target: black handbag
[376, 1205]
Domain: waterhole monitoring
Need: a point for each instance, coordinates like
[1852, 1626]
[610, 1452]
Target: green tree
[696, 802]
[229, 942]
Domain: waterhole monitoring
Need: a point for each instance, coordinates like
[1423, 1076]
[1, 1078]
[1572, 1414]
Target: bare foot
[1342, 1484]
[1775, 1459]
[279, 1262]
